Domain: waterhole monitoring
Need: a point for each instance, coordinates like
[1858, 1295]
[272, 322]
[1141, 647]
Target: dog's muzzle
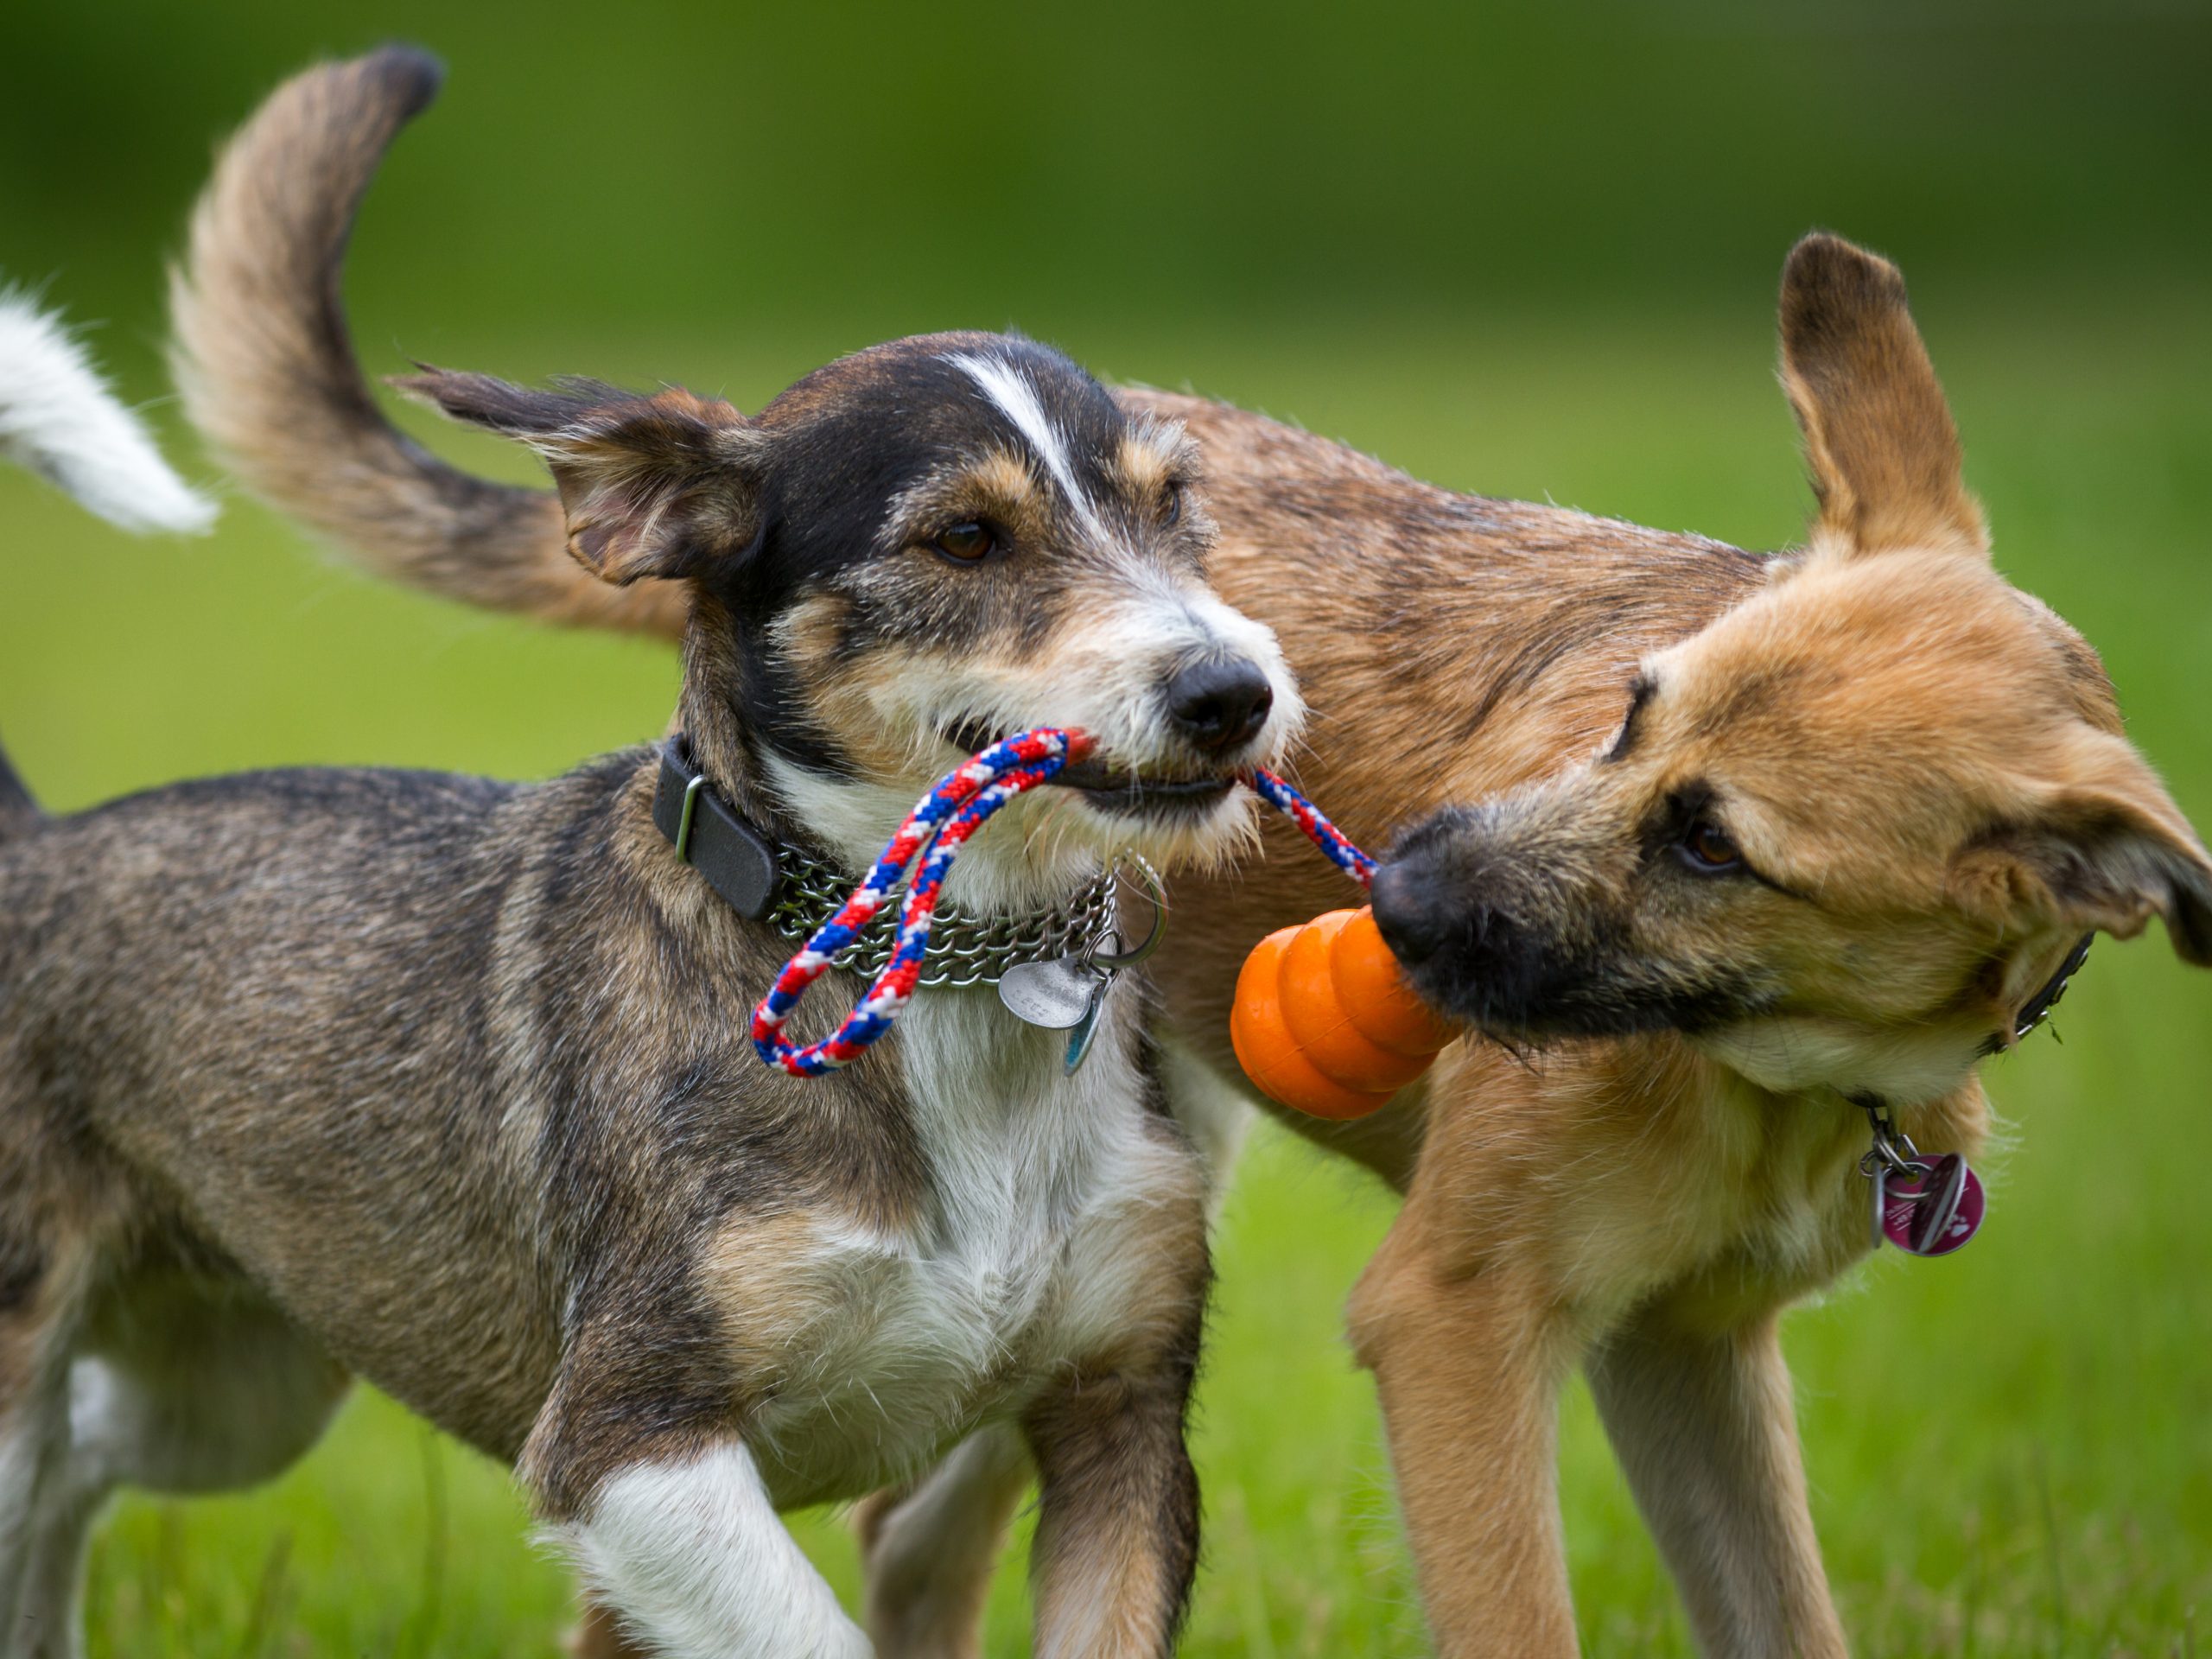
[1219, 704]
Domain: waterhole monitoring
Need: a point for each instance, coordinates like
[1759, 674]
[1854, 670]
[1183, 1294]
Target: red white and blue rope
[934, 834]
[1335, 845]
[934, 831]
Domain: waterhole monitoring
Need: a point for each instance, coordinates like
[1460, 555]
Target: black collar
[739, 862]
[2037, 1008]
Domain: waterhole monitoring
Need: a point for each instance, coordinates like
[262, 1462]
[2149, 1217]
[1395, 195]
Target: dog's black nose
[1219, 702]
[1411, 923]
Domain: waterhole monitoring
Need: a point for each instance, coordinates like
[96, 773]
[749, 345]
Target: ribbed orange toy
[1325, 1021]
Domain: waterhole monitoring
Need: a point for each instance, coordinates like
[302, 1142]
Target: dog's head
[915, 551]
[1847, 831]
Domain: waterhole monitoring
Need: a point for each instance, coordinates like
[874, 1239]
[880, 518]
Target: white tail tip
[59, 418]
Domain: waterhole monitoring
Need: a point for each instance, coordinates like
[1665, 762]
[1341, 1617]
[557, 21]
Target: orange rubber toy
[1325, 1021]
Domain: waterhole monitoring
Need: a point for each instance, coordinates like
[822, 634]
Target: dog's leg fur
[44, 1278]
[183, 1390]
[1117, 1531]
[1703, 1425]
[49, 1237]
[694, 1552]
[1468, 1366]
[929, 1549]
[930, 1552]
[34, 1447]
[599, 1634]
[52, 1599]
[170, 1392]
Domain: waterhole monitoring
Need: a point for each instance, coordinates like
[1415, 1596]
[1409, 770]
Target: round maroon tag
[1935, 1213]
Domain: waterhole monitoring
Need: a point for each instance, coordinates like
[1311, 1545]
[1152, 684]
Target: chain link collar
[964, 949]
[795, 890]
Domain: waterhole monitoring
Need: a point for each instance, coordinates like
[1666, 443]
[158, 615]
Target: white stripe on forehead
[1017, 400]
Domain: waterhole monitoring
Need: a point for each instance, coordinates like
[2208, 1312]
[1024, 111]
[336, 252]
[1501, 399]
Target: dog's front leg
[1704, 1428]
[690, 1555]
[1117, 1516]
[928, 1552]
[1468, 1363]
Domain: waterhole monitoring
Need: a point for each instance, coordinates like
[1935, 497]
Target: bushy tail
[267, 368]
[59, 419]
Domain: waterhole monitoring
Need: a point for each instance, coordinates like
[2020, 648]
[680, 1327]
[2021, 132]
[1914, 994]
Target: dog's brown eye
[966, 542]
[1710, 848]
[1173, 513]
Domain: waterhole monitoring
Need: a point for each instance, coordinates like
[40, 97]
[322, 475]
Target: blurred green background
[1520, 249]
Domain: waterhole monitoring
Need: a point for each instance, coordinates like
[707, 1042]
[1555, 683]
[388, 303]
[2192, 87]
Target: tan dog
[1765, 835]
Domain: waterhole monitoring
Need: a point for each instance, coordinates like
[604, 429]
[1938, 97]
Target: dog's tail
[59, 418]
[267, 368]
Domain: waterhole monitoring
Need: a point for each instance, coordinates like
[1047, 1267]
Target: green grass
[2012, 1451]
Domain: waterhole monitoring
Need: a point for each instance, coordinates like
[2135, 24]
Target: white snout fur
[1106, 675]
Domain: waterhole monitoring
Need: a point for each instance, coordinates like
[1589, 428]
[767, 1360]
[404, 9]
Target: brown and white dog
[1737, 840]
[447, 1083]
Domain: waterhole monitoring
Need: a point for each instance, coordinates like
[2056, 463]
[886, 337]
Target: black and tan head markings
[949, 533]
[1155, 471]
[995, 491]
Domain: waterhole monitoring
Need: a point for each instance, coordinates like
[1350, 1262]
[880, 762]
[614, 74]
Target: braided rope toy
[1335, 845]
[933, 833]
[930, 839]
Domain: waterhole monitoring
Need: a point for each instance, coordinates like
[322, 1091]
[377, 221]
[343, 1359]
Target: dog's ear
[1878, 437]
[653, 486]
[2104, 852]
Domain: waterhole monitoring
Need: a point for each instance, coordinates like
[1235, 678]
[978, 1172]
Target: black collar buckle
[738, 862]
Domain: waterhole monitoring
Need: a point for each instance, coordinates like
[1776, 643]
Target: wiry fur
[447, 1057]
[1663, 1158]
[122, 1398]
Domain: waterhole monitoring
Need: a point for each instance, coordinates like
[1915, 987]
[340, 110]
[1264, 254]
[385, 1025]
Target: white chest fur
[1028, 1253]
